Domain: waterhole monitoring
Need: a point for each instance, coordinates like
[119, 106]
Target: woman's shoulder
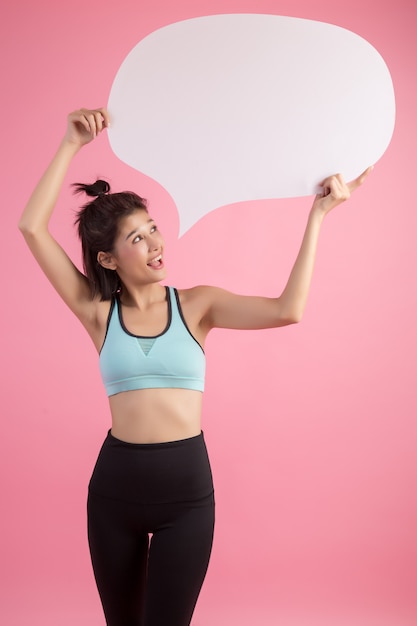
[200, 299]
[196, 294]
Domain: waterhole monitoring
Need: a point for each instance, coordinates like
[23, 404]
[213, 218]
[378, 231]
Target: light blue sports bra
[172, 359]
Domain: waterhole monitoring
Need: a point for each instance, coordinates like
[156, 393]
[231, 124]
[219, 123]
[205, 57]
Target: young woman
[152, 475]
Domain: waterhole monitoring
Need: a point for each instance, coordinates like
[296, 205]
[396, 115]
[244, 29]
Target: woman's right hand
[85, 124]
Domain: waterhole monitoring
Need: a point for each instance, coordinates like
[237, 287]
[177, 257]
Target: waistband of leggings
[177, 443]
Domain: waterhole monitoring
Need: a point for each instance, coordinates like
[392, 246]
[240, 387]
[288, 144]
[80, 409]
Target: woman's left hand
[335, 191]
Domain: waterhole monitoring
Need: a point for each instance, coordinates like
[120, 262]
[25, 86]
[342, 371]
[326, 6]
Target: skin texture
[152, 415]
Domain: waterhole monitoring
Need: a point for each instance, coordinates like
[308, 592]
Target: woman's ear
[106, 260]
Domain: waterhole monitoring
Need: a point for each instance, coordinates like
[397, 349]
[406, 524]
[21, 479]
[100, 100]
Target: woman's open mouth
[156, 263]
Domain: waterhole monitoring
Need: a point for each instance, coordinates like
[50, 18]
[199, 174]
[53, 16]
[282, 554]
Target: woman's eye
[136, 239]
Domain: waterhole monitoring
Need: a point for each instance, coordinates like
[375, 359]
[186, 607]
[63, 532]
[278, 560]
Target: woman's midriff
[156, 415]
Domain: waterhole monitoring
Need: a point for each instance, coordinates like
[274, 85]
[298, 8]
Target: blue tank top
[172, 359]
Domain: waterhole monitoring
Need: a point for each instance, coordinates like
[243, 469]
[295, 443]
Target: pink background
[317, 510]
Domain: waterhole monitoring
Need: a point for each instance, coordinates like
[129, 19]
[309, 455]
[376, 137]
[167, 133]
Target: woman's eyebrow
[137, 229]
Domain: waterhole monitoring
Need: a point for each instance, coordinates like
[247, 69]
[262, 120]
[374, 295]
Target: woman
[152, 475]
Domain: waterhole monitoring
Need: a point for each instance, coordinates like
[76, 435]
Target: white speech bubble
[227, 108]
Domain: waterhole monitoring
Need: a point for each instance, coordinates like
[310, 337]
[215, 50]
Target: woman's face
[138, 250]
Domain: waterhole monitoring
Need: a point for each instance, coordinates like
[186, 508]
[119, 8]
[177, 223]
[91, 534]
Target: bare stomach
[156, 415]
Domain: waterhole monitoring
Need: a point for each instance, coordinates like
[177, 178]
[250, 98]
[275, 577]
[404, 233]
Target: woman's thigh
[178, 559]
[119, 556]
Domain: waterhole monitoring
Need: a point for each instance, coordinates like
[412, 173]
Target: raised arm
[227, 310]
[83, 126]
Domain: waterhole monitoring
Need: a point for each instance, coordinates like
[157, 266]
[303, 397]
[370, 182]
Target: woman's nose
[153, 242]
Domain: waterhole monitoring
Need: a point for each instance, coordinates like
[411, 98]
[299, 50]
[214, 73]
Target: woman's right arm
[83, 126]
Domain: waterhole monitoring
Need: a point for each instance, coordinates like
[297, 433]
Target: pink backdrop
[317, 513]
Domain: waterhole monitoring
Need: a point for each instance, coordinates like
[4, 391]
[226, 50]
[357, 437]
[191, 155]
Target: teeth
[156, 259]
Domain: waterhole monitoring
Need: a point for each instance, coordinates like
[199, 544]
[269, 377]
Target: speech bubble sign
[227, 108]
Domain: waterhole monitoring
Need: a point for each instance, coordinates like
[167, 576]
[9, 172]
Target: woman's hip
[155, 473]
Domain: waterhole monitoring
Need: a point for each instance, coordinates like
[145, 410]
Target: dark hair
[98, 225]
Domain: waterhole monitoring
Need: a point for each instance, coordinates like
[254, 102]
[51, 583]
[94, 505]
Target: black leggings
[165, 490]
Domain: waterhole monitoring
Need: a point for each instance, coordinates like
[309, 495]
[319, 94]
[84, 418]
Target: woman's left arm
[228, 310]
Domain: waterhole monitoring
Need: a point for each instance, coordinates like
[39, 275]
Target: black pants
[137, 490]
